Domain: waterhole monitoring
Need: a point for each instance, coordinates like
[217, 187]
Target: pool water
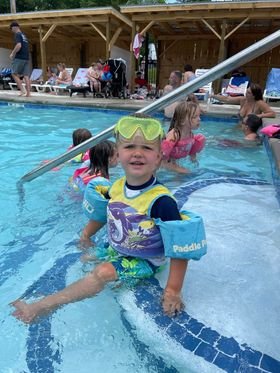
[226, 291]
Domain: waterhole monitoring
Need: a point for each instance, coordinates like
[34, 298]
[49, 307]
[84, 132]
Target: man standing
[20, 59]
[175, 81]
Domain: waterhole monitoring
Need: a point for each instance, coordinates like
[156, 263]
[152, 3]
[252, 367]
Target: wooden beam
[98, 31]
[115, 37]
[237, 27]
[145, 29]
[211, 28]
[166, 49]
[48, 33]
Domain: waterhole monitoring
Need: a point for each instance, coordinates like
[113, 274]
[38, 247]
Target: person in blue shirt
[20, 60]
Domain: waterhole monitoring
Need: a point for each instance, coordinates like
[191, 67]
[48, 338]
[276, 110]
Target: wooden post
[43, 54]
[222, 53]
[132, 58]
[108, 39]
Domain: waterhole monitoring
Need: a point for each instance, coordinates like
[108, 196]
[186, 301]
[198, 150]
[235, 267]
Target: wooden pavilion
[200, 34]
[77, 37]
[204, 34]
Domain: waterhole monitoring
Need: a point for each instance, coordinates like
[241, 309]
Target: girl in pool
[79, 136]
[101, 156]
[180, 141]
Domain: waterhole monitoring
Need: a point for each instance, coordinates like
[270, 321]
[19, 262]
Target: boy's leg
[85, 288]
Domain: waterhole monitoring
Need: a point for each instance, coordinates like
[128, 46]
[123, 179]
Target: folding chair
[237, 86]
[57, 88]
[80, 82]
[272, 88]
[205, 91]
[35, 75]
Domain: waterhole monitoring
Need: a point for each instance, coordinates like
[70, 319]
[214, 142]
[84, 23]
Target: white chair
[63, 87]
[237, 86]
[206, 90]
[272, 88]
[35, 75]
[47, 86]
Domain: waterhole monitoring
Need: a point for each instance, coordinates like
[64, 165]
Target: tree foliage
[38, 5]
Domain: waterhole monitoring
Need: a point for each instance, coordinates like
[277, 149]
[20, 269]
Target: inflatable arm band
[183, 239]
[199, 143]
[94, 203]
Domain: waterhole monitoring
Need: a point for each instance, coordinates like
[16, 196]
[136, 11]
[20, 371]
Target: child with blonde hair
[180, 141]
[143, 222]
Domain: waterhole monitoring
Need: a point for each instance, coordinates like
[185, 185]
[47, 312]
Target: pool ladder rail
[214, 73]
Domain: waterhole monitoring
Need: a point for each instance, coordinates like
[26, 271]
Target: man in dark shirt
[20, 59]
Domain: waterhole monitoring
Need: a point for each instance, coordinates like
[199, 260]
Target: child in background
[101, 156]
[79, 136]
[138, 202]
[250, 128]
[180, 141]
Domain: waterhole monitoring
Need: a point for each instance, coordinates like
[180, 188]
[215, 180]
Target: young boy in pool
[136, 248]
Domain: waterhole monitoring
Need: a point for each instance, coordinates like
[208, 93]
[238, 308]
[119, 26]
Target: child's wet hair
[253, 122]
[184, 110]
[100, 155]
[80, 135]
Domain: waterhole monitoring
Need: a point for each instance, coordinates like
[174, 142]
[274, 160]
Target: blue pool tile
[254, 370]
[209, 335]
[270, 364]
[206, 351]
[252, 357]
[227, 363]
[182, 318]
[228, 345]
[194, 326]
[189, 341]
[163, 321]
[176, 331]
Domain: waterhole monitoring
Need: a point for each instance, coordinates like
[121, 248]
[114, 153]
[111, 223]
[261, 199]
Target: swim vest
[183, 147]
[131, 230]
[81, 178]
[95, 203]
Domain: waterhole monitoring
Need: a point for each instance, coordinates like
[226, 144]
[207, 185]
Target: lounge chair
[5, 77]
[272, 88]
[47, 86]
[205, 91]
[237, 86]
[80, 82]
[63, 87]
[35, 75]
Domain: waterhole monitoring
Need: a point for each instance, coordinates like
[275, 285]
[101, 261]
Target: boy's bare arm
[90, 229]
[172, 301]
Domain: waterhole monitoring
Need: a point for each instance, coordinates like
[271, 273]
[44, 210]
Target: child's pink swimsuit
[183, 147]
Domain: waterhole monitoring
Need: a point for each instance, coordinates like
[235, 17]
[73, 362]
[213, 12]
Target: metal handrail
[216, 72]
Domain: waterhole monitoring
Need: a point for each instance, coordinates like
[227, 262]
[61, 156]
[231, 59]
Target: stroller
[118, 81]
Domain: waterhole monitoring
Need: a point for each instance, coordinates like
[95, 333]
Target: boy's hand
[172, 303]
